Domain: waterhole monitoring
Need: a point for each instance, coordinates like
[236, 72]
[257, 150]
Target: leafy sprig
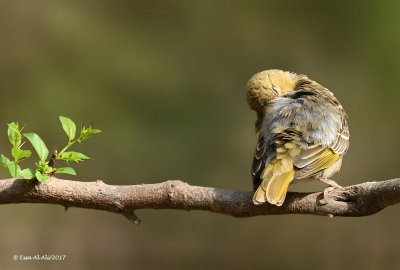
[15, 138]
[44, 167]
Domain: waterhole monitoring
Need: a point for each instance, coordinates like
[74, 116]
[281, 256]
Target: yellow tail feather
[278, 186]
[273, 187]
[259, 196]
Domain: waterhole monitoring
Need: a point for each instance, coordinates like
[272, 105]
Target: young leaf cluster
[44, 167]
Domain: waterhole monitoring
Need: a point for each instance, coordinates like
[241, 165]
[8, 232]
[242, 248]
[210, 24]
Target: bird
[302, 130]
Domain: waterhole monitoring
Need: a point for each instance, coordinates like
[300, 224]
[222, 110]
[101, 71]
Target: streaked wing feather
[306, 156]
[258, 162]
[324, 160]
[342, 140]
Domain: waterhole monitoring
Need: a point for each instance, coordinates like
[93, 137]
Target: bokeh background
[165, 82]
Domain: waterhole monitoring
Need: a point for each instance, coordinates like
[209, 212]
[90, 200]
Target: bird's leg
[332, 185]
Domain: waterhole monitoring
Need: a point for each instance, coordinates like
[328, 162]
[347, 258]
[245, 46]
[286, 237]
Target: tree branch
[352, 201]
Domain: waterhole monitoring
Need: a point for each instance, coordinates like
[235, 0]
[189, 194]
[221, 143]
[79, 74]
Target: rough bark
[352, 201]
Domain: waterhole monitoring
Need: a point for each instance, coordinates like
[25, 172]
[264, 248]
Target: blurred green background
[165, 82]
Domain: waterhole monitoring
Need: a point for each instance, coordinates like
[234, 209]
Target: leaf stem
[65, 149]
[16, 168]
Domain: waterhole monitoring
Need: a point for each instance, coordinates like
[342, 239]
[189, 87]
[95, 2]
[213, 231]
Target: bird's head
[266, 85]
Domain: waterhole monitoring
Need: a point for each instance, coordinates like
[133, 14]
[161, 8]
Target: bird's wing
[316, 158]
[258, 162]
[317, 162]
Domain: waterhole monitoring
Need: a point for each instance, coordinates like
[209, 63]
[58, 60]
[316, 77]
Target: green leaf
[10, 166]
[4, 161]
[73, 156]
[14, 135]
[41, 177]
[47, 169]
[20, 154]
[11, 169]
[69, 127]
[86, 133]
[38, 144]
[67, 170]
[27, 173]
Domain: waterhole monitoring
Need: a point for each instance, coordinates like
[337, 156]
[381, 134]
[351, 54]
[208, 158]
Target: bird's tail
[274, 185]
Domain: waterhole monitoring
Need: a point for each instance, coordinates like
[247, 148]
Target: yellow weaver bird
[303, 133]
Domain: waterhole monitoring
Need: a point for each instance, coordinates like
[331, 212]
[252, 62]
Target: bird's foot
[332, 186]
